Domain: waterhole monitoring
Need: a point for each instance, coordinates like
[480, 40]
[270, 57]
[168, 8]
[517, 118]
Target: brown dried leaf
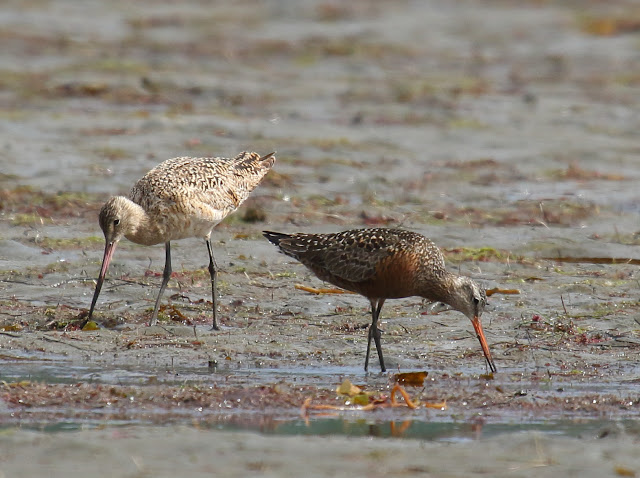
[173, 313]
[609, 26]
[437, 405]
[576, 172]
[496, 290]
[623, 471]
[413, 379]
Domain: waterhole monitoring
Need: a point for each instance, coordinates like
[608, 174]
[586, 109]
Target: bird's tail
[254, 162]
[269, 159]
[247, 170]
[297, 246]
[275, 237]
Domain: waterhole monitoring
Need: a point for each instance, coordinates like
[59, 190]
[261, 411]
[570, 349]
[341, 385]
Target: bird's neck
[439, 289]
[451, 289]
[142, 229]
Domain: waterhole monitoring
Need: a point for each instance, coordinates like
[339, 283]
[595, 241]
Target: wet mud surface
[504, 131]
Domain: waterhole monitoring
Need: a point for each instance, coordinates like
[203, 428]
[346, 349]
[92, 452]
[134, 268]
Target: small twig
[72, 280]
[405, 395]
[21, 314]
[131, 281]
[163, 327]
[530, 345]
[565, 309]
[544, 214]
[49, 339]
[542, 223]
[314, 290]
[9, 334]
[10, 281]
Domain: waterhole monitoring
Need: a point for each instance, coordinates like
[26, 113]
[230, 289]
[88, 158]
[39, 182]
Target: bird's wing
[343, 255]
[353, 263]
[207, 187]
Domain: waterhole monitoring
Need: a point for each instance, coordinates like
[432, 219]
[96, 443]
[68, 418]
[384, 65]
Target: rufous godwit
[179, 198]
[383, 264]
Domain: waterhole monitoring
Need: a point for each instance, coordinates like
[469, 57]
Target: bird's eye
[116, 222]
[476, 300]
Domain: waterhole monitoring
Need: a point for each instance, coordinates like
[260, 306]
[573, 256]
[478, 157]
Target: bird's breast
[394, 278]
[189, 227]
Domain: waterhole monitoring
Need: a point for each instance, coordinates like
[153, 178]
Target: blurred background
[507, 131]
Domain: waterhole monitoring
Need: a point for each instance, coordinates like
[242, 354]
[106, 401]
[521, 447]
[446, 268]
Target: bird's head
[117, 219]
[468, 297]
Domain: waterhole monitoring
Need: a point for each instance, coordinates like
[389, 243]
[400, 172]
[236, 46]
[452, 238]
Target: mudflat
[505, 132]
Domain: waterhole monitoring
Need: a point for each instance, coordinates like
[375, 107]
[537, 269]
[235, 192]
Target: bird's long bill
[483, 342]
[108, 254]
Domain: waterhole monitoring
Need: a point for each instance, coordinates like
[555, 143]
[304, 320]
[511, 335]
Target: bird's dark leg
[166, 275]
[374, 332]
[213, 271]
[366, 360]
[376, 335]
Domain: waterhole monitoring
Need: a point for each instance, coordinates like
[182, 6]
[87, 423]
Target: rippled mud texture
[506, 132]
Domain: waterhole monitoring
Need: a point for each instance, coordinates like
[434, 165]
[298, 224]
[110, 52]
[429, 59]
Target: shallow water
[364, 426]
[425, 425]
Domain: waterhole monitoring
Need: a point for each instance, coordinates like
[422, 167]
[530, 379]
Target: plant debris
[496, 290]
[313, 290]
[375, 401]
[594, 260]
[413, 379]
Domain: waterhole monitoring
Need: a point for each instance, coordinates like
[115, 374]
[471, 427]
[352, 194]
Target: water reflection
[406, 429]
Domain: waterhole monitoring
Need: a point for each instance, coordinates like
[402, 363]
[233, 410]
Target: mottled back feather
[220, 183]
[187, 197]
[355, 255]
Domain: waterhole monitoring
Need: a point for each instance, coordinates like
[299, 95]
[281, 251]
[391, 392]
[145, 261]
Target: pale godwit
[179, 198]
[385, 264]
